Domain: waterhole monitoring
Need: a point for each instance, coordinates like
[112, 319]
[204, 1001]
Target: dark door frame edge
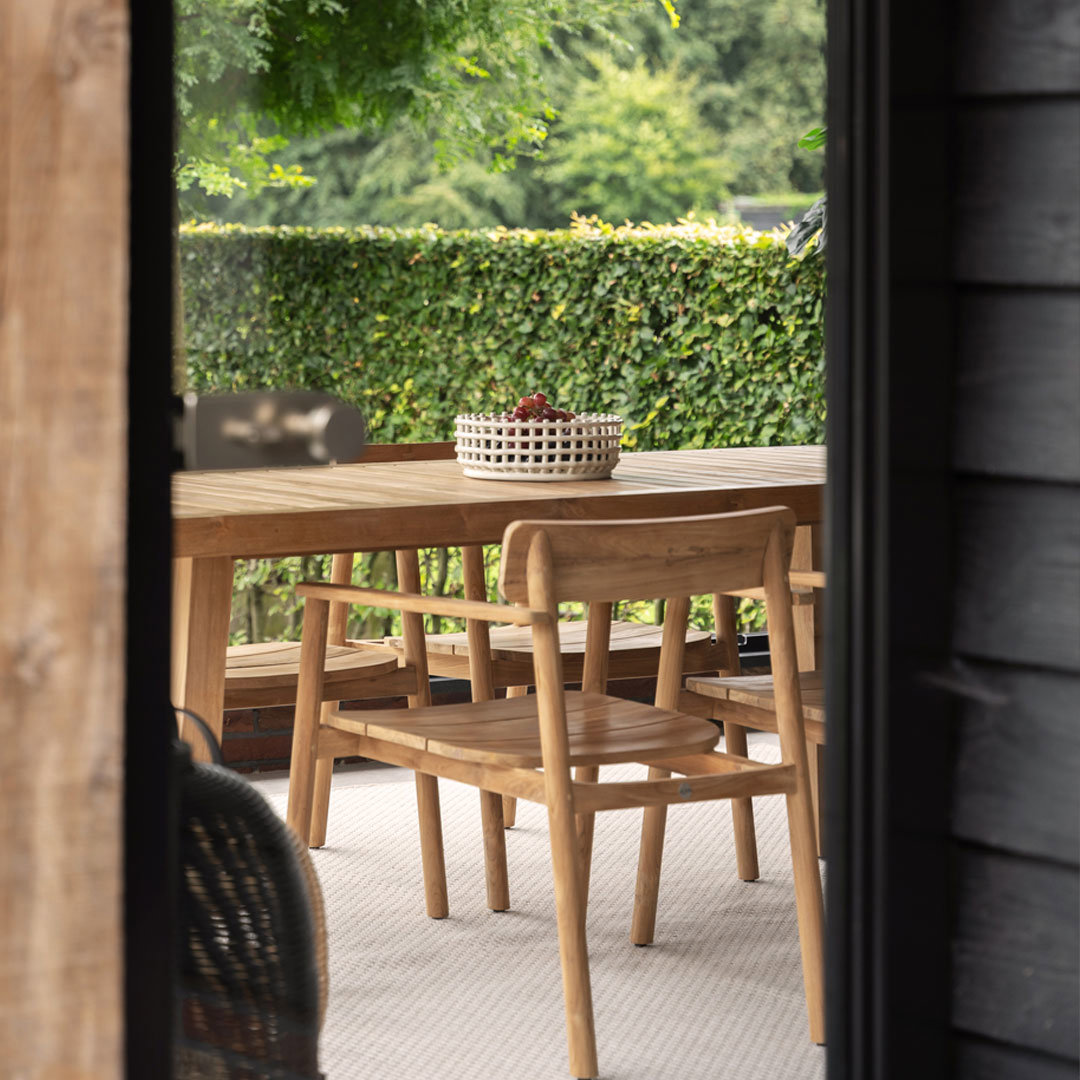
[887, 958]
[149, 822]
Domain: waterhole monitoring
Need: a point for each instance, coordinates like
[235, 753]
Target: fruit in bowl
[537, 407]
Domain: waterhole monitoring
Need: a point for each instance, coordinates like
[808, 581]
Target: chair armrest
[448, 607]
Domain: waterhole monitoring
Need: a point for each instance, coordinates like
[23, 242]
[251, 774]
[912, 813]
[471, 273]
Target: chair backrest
[547, 562]
[646, 559]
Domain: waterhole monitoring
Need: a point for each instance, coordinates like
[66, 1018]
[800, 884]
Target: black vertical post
[149, 832]
[890, 344]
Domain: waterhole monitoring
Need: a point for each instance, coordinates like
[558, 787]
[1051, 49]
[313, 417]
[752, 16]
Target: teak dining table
[270, 513]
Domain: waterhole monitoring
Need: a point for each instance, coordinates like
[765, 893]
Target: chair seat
[758, 692]
[630, 642]
[266, 673]
[506, 731]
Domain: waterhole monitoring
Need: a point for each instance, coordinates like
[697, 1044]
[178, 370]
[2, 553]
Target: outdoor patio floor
[478, 995]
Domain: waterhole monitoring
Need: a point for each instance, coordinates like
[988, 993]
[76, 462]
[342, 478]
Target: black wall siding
[1019, 378]
[1018, 572]
[1017, 47]
[989, 1060]
[1017, 215]
[1017, 780]
[1015, 816]
[1014, 953]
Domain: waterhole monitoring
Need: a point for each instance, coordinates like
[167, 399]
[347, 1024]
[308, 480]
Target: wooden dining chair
[633, 650]
[526, 746]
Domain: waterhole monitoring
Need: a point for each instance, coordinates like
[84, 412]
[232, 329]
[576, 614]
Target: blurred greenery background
[650, 122]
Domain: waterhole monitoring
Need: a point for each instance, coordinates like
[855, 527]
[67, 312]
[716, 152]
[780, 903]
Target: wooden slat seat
[749, 701]
[265, 673]
[634, 649]
[506, 731]
[758, 691]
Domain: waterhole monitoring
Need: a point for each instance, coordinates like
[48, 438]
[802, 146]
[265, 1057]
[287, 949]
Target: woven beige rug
[478, 996]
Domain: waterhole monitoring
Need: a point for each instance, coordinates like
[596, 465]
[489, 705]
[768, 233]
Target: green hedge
[697, 335]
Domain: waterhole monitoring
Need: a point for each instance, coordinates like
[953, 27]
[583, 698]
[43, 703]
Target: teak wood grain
[627, 559]
[64, 106]
[758, 691]
[602, 730]
[634, 650]
[507, 643]
[384, 506]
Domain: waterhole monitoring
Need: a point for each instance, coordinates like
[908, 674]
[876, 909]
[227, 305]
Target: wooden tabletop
[368, 507]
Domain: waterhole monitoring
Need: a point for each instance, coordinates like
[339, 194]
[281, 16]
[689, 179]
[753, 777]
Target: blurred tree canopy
[635, 119]
[632, 145]
[251, 74]
[759, 67]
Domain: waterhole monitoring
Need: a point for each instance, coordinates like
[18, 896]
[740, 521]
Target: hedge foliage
[697, 335]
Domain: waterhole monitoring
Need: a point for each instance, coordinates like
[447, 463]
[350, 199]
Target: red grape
[521, 413]
[540, 399]
[526, 403]
[548, 413]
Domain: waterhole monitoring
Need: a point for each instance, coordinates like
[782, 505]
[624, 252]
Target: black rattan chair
[252, 965]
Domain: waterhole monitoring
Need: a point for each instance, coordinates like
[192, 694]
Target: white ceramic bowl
[497, 447]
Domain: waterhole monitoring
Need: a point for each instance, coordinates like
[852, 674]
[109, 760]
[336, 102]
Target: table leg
[202, 602]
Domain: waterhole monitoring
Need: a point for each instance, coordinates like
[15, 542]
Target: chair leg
[586, 825]
[431, 846]
[809, 908]
[496, 877]
[320, 807]
[650, 856]
[815, 755]
[742, 812]
[573, 949]
[509, 802]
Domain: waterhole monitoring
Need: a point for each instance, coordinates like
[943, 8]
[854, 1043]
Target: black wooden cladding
[1017, 781]
[1014, 954]
[1017, 47]
[1018, 375]
[986, 1060]
[1018, 573]
[1016, 208]
[1015, 456]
